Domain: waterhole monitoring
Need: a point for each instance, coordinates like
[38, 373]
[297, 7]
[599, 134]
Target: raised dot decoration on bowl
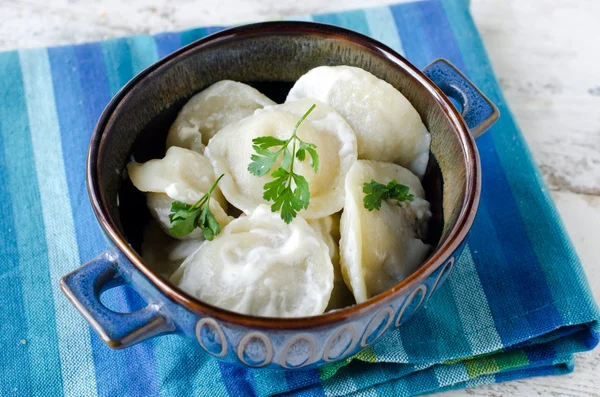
[340, 344]
[299, 352]
[255, 350]
[211, 337]
[412, 303]
[377, 327]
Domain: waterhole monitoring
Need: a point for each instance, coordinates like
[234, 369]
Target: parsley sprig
[185, 218]
[289, 191]
[375, 192]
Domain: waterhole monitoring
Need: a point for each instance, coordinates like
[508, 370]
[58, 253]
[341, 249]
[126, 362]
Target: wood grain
[547, 58]
[546, 54]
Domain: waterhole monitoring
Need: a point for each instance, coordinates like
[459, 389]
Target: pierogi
[182, 175]
[387, 126]
[212, 109]
[261, 266]
[380, 248]
[338, 247]
[231, 148]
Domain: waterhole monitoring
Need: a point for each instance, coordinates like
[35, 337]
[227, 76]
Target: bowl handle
[477, 110]
[83, 287]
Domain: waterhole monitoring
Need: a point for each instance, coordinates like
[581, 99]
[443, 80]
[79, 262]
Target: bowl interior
[270, 59]
[150, 144]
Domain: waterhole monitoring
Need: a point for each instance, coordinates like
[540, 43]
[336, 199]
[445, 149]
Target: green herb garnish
[287, 198]
[375, 192]
[185, 218]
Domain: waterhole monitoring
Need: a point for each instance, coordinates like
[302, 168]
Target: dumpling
[380, 248]
[387, 126]
[328, 229]
[182, 175]
[261, 266]
[231, 148]
[162, 253]
[212, 109]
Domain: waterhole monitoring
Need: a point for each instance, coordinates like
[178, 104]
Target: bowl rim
[453, 240]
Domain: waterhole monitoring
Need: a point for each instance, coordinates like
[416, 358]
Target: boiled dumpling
[231, 148]
[212, 109]
[387, 126]
[162, 253]
[182, 175]
[261, 266]
[380, 248]
[328, 229]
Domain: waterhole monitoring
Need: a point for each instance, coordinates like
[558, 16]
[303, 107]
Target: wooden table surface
[546, 54]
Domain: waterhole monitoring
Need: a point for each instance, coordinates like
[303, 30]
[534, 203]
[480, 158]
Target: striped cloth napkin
[516, 305]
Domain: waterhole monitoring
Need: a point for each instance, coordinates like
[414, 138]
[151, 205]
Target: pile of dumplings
[333, 254]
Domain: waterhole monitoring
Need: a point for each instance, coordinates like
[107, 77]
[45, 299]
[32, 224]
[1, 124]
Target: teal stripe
[546, 232]
[332, 386]
[143, 52]
[370, 392]
[117, 61]
[273, 383]
[124, 58]
[383, 27]
[192, 35]
[447, 375]
[183, 367]
[398, 387]
[397, 354]
[446, 343]
[354, 20]
[473, 307]
[31, 245]
[72, 331]
[480, 381]
[14, 359]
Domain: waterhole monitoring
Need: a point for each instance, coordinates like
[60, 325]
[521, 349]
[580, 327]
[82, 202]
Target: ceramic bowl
[270, 56]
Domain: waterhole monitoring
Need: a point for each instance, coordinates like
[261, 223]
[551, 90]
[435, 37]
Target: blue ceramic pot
[271, 56]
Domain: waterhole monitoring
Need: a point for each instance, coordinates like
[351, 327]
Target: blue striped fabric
[516, 305]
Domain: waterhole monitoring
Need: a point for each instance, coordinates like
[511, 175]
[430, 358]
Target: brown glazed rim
[440, 256]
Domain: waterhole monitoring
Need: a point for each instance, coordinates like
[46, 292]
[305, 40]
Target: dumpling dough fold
[261, 266]
[212, 109]
[328, 229]
[380, 248]
[388, 128]
[231, 148]
[182, 175]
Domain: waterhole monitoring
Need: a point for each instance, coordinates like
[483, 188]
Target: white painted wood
[546, 54]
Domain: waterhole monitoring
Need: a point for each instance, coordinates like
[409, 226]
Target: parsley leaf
[288, 191]
[376, 192]
[314, 158]
[185, 218]
[288, 203]
[302, 191]
[268, 141]
[274, 188]
[260, 166]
